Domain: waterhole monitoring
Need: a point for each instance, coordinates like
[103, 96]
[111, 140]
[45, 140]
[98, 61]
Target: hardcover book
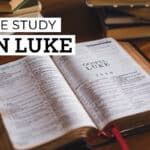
[60, 99]
[9, 6]
[118, 17]
[122, 27]
[115, 3]
[141, 12]
[27, 10]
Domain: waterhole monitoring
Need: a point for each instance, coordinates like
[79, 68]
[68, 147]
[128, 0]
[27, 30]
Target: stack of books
[20, 8]
[123, 19]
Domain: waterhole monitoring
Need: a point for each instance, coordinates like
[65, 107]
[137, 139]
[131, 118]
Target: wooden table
[77, 19]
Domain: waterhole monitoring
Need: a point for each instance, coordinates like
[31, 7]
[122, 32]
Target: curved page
[36, 103]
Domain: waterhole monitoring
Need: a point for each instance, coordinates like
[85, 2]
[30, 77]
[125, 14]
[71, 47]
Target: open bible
[59, 99]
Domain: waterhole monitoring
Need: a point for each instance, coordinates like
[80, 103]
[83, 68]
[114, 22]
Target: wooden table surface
[80, 20]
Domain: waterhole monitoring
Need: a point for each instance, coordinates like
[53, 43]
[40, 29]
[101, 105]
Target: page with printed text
[108, 82]
[36, 103]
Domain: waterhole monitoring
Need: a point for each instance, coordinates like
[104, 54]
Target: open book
[57, 99]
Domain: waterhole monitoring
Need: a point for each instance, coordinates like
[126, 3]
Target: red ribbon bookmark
[115, 132]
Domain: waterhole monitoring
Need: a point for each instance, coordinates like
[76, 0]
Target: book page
[108, 82]
[36, 103]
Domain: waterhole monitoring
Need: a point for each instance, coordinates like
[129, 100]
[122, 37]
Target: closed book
[115, 3]
[129, 32]
[30, 7]
[123, 31]
[9, 6]
[142, 12]
[115, 16]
